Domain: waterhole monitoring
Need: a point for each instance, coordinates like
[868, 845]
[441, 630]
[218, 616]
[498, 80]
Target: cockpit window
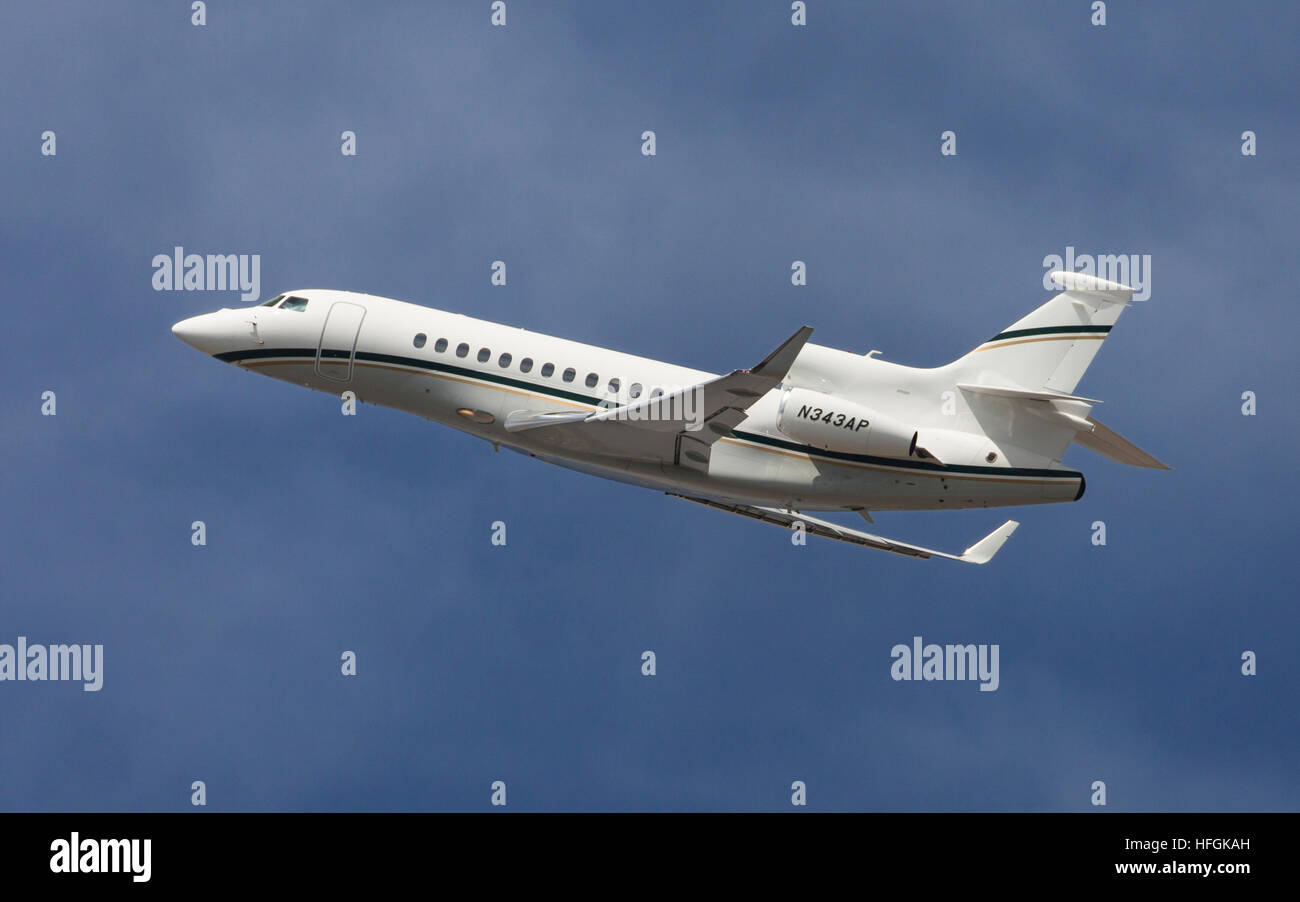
[294, 304]
[271, 303]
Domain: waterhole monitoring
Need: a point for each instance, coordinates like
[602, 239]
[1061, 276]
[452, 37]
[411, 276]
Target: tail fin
[1051, 347]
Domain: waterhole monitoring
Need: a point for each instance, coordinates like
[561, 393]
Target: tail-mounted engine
[835, 424]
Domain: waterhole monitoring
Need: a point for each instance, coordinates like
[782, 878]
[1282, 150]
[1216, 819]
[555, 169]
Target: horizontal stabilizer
[1113, 445]
[1006, 391]
[1083, 283]
[980, 553]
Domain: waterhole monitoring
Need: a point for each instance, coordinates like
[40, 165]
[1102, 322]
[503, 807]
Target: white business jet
[808, 428]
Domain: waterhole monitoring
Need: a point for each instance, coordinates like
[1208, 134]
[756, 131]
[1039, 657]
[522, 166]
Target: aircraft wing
[677, 428]
[980, 553]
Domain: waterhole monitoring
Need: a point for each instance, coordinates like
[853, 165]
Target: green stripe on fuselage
[309, 354]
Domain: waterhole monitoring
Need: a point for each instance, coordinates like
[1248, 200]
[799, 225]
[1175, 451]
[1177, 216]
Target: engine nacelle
[835, 424]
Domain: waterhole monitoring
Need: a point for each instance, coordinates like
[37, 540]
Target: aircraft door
[338, 341]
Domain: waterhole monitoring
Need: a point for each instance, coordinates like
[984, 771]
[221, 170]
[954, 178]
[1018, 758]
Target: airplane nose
[201, 332]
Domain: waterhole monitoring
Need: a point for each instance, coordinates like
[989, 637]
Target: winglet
[982, 551]
[778, 363]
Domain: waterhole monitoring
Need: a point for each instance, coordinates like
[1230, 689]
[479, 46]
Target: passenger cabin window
[483, 355]
[420, 339]
[569, 373]
[591, 380]
[440, 345]
[526, 364]
[547, 369]
[655, 392]
[614, 386]
[293, 303]
[271, 303]
[504, 361]
[635, 390]
[462, 349]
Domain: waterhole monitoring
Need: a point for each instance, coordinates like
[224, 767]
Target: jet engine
[835, 424]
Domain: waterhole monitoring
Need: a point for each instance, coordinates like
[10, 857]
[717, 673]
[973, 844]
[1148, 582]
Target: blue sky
[371, 533]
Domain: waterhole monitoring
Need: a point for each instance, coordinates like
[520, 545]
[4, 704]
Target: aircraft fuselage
[472, 374]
